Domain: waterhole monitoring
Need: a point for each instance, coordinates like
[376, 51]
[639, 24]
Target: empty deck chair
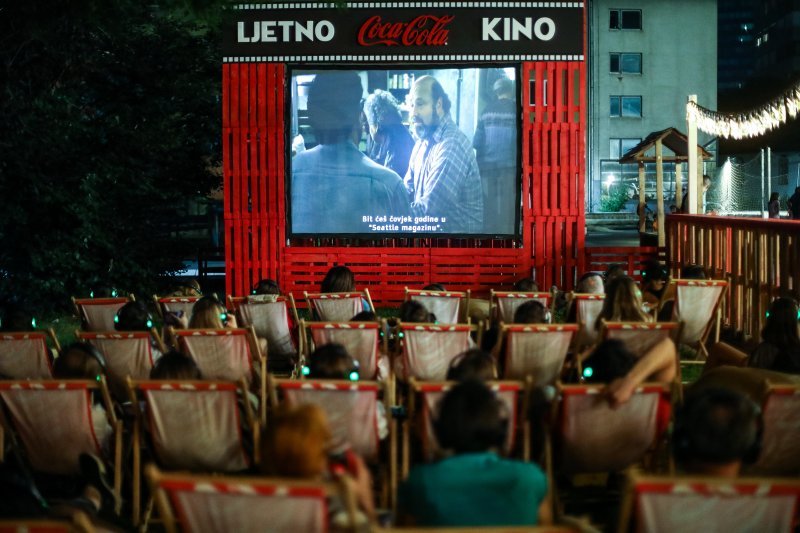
[640, 337]
[25, 355]
[587, 309]
[362, 340]
[210, 504]
[709, 505]
[97, 314]
[127, 353]
[337, 306]
[535, 350]
[697, 306]
[503, 305]
[270, 317]
[428, 349]
[446, 306]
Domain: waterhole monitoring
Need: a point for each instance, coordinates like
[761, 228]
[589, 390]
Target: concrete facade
[677, 43]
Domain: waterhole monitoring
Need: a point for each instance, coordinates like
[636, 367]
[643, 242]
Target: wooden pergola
[676, 142]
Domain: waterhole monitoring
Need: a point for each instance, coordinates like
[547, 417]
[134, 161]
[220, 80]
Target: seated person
[623, 303]
[174, 365]
[341, 279]
[532, 312]
[189, 287]
[365, 316]
[134, 316]
[209, 313]
[654, 282]
[589, 283]
[779, 349]
[612, 272]
[668, 300]
[296, 444]
[717, 430]
[266, 287]
[473, 364]
[413, 312]
[436, 287]
[526, 285]
[474, 486]
[279, 342]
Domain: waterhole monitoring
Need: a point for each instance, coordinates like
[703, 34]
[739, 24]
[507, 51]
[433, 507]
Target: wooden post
[678, 186]
[700, 187]
[691, 186]
[642, 199]
[660, 193]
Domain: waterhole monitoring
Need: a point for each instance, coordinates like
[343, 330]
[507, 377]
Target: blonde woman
[623, 303]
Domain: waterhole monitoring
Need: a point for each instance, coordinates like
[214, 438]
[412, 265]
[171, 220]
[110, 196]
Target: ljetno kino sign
[404, 31]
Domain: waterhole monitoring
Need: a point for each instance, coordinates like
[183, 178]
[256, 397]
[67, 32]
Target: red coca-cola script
[425, 30]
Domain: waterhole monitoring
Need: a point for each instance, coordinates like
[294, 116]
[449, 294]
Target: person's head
[434, 287]
[175, 365]
[531, 312]
[208, 313]
[693, 272]
[339, 279]
[16, 317]
[716, 431]
[79, 360]
[774, 197]
[103, 291]
[623, 301]
[781, 325]
[613, 271]
[266, 286]
[473, 364]
[331, 361]
[296, 443]
[334, 105]
[590, 283]
[133, 316]
[365, 316]
[706, 182]
[673, 208]
[526, 285]
[503, 88]
[654, 276]
[429, 105]
[414, 312]
[189, 287]
[610, 360]
[381, 109]
[471, 419]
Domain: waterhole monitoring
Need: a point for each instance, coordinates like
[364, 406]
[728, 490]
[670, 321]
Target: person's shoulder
[380, 173]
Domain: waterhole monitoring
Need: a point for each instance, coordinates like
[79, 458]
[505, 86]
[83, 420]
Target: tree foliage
[109, 123]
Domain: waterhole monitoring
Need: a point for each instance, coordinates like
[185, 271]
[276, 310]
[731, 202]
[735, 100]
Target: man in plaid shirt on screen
[443, 178]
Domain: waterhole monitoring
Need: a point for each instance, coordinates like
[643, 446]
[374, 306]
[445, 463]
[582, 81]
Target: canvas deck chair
[780, 440]
[127, 353]
[362, 340]
[446, 306]
[337, 306]
[270, 317]
[535, 350]
[353, 415]
[55, 423]
[211, 504]
[591, 437]
[228, 354]
[587, 309]
[78, 522]
[503, 305]
[97, 314]
[658, 504]
[191, 425]
[424, 399]
[640, 337]
[426, 350]
[25, 354]
[175, 304]
[697, 305]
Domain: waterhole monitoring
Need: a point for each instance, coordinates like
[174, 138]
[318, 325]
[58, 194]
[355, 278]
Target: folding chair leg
[137, 476]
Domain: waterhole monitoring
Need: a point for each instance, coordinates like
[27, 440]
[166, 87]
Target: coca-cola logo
[424, 30]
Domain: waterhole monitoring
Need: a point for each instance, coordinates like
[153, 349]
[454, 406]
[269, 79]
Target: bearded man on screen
[443, 179]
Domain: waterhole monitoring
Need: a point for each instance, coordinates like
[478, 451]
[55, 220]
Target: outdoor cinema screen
[379, 152]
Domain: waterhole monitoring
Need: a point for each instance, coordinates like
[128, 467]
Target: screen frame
[292, 68]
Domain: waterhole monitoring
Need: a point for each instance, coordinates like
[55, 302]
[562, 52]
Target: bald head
[429, 104]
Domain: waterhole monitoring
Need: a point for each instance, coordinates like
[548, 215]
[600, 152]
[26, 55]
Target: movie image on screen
[404, 152]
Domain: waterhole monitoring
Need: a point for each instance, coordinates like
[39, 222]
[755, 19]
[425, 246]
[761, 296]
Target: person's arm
[546, 511]
[658, 364]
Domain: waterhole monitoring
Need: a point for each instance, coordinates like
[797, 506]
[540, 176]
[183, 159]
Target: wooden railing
[759, 257]
[599, 258]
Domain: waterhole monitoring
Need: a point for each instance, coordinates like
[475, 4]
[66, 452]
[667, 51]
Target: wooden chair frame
[307, 327]
[311, 296]
[463, 310]
[581, 342]
[235, 302]
[162, 302]
[400, 329]
[496, 296]
[49, 333]
[716, 316]
[79, 304]
[515, 328]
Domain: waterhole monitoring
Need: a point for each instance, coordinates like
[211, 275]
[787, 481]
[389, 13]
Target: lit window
[620, 147]
[626, 63]
[625, 19]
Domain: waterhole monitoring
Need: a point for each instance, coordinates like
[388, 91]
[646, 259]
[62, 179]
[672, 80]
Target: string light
[752, 123]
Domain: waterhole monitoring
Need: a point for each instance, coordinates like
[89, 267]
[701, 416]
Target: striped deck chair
[362, 340]
[97, 314]
[337, 306]
[640, 337]
[445, 305]
[55, 422]
[503, 305]
[78, 522]
[25, 355]
[587, 309]
[211, 504]
[590, 436]
[176, 304]
[192, 425]
[710, 505]
[428, 349]
[425, 397]
[780, 441]
[270, 318]
[535, 350]
[697, 305]
[127, 353]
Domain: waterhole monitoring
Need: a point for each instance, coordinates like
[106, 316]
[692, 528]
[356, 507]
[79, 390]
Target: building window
[626, 63]
[620, 147]
[626, 106]
[625, 19]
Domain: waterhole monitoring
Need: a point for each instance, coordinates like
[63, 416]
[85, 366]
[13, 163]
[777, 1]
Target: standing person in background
[774, 206]
[443, 179]
[496, 152]
[391, 141]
